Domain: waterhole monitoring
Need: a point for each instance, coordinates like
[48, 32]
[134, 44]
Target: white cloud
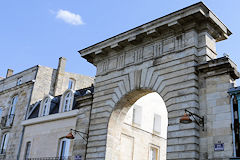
[69, 17]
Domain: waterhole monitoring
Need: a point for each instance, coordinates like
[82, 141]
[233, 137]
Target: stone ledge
[53, 117]
[222, 65]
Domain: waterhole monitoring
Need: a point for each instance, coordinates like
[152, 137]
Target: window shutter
[157, 123]
[137, 115]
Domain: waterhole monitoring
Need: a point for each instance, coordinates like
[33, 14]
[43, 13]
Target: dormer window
[71, 84]
[19, 81]
[67, 102]
[46, 106]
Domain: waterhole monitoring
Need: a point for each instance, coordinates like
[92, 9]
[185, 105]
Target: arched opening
[137, 128]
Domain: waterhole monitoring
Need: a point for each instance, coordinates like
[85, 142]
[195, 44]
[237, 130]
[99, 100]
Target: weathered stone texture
[162, 56]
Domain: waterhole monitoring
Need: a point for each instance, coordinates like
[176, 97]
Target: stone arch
[116, 121]
[178, 93]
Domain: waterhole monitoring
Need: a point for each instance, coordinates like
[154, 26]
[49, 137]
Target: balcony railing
[52, 158]
[7, 121]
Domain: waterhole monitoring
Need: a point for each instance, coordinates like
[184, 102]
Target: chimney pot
[9, 73]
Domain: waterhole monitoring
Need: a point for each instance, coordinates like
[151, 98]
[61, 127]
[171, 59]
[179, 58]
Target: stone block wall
[82, 124]
[9, 89]
[215, 107]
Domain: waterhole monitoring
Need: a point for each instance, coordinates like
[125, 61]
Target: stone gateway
[175, 57]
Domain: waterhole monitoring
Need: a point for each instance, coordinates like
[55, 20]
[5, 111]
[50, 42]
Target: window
[137, 115]
[19, 81]
[1, 109]
[4, 143]
[64, 148]
[13, 105]
[157, 123]
[153, 154]
[45, 109]
[67, 102]
[27, 151]
[71, 84]
[11, 111]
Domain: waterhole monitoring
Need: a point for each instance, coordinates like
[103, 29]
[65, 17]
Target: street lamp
[73, 131]
[186, 118]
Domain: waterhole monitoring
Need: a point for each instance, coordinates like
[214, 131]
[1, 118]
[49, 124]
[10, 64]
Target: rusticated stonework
[174, 56]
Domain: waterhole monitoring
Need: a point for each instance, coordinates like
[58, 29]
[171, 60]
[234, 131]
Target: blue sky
[40, 31]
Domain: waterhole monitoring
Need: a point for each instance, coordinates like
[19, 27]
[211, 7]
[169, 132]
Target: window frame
[137, 115]
[68, 98]
[40, 113]
[63, 102]
[1, 111]
[14, 101]
[66, 152]
[4, 143]
[19, 81]
[27, 150]
[157, 148]
[157, 119]
[72, 82]
[46, 107]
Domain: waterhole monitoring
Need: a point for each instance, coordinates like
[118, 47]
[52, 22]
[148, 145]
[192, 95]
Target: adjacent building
[19, 94]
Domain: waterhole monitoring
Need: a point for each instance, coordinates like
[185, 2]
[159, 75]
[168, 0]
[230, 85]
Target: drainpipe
[233, 130]
[25, 116]
[238, 99]
[90, 114]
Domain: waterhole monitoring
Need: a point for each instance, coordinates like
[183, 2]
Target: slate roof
[55, 103]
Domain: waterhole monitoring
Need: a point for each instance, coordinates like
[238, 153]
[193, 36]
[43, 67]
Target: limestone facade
[174, 56]
[19, 91]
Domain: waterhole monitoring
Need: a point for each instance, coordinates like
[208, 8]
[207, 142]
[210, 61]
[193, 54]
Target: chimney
[61, 64]
[59, 76]
[9, 73]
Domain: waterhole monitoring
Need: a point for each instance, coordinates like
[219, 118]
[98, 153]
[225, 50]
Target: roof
[55, 103]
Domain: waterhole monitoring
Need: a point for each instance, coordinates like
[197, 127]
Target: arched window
[46, 106]
[67, 102]
[4, 143]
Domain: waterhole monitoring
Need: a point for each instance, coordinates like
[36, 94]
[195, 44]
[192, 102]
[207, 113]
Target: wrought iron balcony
[52, 158]
[7, 121]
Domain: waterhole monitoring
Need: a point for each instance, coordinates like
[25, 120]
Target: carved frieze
[140, 54]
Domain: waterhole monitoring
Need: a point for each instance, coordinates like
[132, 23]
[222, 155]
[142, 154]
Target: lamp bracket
[199, 120]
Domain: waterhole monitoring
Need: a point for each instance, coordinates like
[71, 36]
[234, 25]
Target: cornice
[174, 21]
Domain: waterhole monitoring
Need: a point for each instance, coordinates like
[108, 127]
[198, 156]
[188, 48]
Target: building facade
[19, 91]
